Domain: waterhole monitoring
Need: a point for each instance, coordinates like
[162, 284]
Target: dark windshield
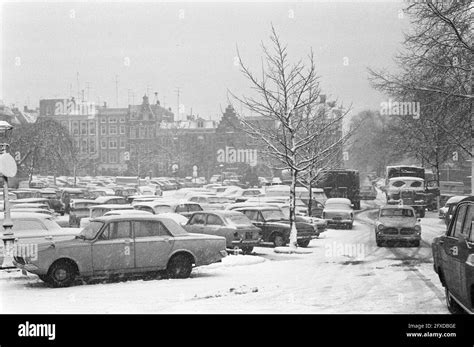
[273, 215]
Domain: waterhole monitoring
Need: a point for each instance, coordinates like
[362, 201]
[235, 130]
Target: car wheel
[247, 249]
[422, 213]
[349, 226]
[279, 241]
[180, 266]
[62, 274]
[304, 243]
[452, 305]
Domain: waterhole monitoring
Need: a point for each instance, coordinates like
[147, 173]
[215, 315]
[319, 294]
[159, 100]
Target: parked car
[367, 193]
[96, 211]
[453, 255]
[68, 194]
[237, 229]
[338, 212]
[183, 207]
[276, 227]
[127, 212]
[111, 199]
[209, 202]
[243, 195]
[27, 193]
[31, 228]
[451, 207]
[124, 245]
[397, 224]
[79, 208]
[54, 197]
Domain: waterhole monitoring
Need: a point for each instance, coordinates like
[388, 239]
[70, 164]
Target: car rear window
[391, 212]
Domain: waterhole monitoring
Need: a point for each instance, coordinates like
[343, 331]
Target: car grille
[390, 231]
[407, 231]
[19, 260]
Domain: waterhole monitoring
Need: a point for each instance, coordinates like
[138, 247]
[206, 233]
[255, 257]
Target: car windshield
[270, 215]
[392, 212]
[238, 219]
[91, 230]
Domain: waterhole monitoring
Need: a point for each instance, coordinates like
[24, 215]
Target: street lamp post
[8, 169]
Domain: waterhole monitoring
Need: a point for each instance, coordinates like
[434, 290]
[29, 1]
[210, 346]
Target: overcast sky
[159, 47]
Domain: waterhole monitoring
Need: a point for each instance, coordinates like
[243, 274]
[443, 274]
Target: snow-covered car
[78, 209]
[397, 224]
[276, 227]
[209, 202]
[451, 207]
[178, 218]
[111, 199]
[237, 229]
[30, 228]
[338, 212]
[174, 206]
[96, 211]
[367, 193]
[453, 256]
[124, 245]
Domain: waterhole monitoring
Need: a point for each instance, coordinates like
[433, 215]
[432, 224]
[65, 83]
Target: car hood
[398, 221]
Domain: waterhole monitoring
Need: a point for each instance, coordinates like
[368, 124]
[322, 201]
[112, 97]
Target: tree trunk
[293, 231]
[310, 201]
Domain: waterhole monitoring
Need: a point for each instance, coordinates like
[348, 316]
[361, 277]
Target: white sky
[188, 45]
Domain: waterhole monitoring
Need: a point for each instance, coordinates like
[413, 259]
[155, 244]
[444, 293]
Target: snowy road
[344, 273]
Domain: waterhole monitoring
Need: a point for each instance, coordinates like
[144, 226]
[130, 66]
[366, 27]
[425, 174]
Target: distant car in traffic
[367, 193]
[276, 227]
[96, 211]
[397, 224]
[338, 212]
[237, 229]
[453, 258]
[123, 245]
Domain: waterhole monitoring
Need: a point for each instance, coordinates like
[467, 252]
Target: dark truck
[341, 183]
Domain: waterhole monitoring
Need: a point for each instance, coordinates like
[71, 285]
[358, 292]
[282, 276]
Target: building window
[103, 120]
[91, 128]
[84, 146]
[141, 132]
[103, 157]
[91, 146]
[112, 130]
[122, 142]
[122, 119]
[83, 128]
[122, 129]
[65, 124]
[113, 157]
[112, 143]
[75, 129]
[112, 119]
[103, 144]
[133, 133]
[103, 130]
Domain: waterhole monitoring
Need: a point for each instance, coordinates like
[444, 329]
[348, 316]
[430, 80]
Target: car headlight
[380, 227]
[417, 228]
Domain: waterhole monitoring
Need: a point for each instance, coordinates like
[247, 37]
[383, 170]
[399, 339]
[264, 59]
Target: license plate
[337, 218]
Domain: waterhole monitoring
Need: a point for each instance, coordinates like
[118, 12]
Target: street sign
[455, 156]
[126, 156]
[174, 167]
[345, 156]
[8, 166]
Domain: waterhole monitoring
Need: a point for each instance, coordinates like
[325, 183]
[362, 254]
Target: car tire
[179, 266]
[304, 243]
[247, 249]
[279, 240]
[379, 243]
[44, 278]
[349, 226]
[422, 213]
[451, 304]
[62, 274]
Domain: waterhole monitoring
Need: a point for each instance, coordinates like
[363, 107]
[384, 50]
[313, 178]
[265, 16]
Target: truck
[407, 185]
[341, 183]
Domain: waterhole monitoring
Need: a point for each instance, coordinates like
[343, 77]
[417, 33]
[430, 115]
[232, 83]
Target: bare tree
[284, 97]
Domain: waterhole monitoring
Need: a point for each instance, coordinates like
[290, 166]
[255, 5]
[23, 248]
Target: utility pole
[116, 90]
[472, 132]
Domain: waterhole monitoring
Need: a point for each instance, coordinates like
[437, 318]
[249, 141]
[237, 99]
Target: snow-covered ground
[345, 272]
